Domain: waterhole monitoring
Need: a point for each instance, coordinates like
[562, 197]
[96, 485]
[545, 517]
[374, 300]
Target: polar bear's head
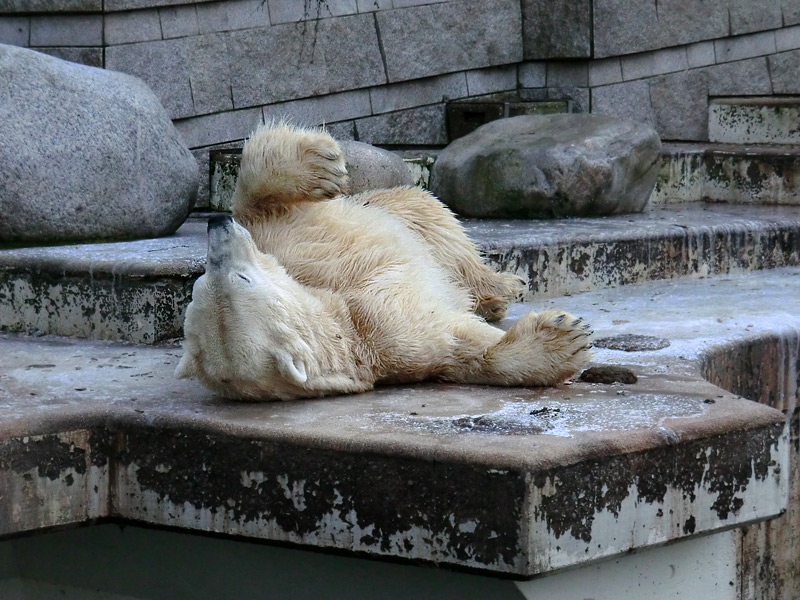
[241, 326]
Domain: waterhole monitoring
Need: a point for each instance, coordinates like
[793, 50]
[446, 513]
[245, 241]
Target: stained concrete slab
[732, 173]
[511, 481]
[754, 120]
[665, 242]
[138, 291]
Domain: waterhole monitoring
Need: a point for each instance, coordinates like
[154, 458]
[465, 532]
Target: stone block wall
[670, 87]
[381, 71]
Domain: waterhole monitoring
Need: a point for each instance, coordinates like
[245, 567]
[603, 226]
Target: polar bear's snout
[221, 220]
[227, 241]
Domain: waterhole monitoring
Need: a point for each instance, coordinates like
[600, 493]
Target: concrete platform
[138, 291]
[509, 481]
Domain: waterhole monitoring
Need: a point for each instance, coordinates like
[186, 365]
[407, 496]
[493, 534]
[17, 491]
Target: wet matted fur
[312, 292]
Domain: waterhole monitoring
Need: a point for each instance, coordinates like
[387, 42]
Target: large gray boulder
[371, 168]
[549, 166]
[86, 154]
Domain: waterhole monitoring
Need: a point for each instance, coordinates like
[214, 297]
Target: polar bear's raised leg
[283, 165]
[540, 349]
[424, 214]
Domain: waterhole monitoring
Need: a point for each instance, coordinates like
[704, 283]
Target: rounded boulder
[87, 154]
[549, 166]
[371, 168]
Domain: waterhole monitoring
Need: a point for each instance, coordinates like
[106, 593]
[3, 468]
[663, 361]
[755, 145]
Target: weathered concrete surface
[552, 166]
[733, 316]
[138, 291]
[135, 291]
[774, 120]
[516, 481]
[735, 173]
[696, 240]
[743, 359]
[766, 370]
[87, 154]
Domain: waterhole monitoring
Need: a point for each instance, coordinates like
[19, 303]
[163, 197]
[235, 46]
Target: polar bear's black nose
[220, 220]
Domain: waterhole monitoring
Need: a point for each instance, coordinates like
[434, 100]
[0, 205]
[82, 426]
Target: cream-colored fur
[320, 293]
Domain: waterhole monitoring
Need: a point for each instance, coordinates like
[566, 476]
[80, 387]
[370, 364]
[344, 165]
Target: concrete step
[733, 173]
[138, 291]
[751, 120]
[512, 481]
[690, 172]
[134, 291]
[665, 242]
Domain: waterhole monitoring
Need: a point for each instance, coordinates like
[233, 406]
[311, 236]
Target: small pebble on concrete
[608, 374]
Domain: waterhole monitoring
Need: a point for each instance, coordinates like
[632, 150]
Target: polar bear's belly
[338, 245]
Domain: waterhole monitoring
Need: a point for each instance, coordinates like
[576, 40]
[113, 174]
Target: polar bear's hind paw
[541, 349]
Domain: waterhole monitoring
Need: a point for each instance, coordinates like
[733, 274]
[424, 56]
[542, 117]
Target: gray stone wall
[670, 88]
[381, 71]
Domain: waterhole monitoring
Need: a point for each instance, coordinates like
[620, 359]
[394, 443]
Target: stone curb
[765, 120]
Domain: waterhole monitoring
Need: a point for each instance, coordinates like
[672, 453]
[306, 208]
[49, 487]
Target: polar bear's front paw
[283, 165]
[496, 293]
[324, 168]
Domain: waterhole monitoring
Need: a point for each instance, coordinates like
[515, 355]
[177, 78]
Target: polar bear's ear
[292, 367]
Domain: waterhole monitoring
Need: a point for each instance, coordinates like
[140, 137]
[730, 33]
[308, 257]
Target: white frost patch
[468, 526]
[560, 418]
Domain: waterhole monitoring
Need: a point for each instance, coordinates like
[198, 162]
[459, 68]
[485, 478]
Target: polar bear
[309, 291]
